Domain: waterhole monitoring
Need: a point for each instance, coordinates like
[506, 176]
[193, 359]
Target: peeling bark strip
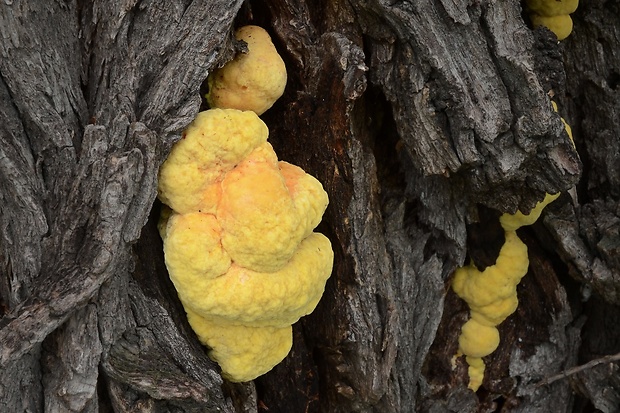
[424, 120]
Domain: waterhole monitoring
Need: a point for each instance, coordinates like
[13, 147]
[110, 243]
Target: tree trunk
[424, 121]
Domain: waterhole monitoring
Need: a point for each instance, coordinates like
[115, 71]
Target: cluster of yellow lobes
[238, 234]
[553, 14]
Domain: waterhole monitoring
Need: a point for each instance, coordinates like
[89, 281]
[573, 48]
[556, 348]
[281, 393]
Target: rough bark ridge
[424, 120]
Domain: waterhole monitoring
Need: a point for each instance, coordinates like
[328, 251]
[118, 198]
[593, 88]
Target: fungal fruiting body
[239, 242]
[238, 234]
[553, 14]
[251, 81]
[491, 294]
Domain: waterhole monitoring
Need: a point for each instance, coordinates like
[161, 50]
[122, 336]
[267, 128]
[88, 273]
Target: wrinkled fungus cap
[211, 146]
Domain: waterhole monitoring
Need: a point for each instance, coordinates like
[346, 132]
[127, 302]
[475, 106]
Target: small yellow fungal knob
[567, 127]
[553, 14]
[475, 371]
[251, 81]
[478, 340]
[561, 26]
[552, 7]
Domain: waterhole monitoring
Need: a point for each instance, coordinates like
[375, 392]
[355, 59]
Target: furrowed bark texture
[94, 94]
[588, 235]
[440, 109]
[423, 120]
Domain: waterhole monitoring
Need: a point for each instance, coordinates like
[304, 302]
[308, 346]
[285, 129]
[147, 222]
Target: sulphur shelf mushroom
[238, 226]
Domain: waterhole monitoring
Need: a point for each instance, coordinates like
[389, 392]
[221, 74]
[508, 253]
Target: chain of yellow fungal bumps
[238, 234]
[492, 294]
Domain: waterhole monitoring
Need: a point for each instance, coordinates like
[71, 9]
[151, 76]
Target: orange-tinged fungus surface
[212, 145]
[262, 220]
[239, 242]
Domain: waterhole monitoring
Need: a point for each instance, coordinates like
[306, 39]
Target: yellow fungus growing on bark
[239, 246]
[553, 14]
[251, 81]
[238, 227]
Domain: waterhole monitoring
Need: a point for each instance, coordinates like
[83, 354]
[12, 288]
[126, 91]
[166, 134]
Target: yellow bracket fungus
[238, 230]
[553, 14]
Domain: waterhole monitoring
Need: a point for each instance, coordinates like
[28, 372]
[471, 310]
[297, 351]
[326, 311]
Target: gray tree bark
[423, 120]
